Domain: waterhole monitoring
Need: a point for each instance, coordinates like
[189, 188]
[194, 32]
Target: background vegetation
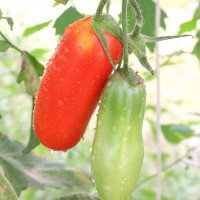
[34, 173]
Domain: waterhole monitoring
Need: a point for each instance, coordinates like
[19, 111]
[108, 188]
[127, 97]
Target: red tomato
[72, 84]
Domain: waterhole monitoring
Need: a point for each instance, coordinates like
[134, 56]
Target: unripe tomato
[117, 152]
[72, 84]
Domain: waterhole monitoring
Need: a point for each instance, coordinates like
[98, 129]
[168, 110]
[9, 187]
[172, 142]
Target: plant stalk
[12, 45]
[98, 15]
[125, 34]
[139, 19]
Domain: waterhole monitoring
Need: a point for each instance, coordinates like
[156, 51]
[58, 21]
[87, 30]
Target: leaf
[1, 14]
[196, 50]
[33, 141]
[38, 53]
[35, 28]
[78, 196]
[33, 171]
[4, 45]
[10, 22]
[67, 17]
[148, 12]
[29, 75]
[176, 133]
[151, 195]
[187, 26]
[64, 2]
[6, 190]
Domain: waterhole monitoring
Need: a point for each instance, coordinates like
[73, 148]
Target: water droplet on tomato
[35, 95]
[60, 102]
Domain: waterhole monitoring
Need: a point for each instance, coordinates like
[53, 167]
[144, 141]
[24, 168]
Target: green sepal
[138, 47]
[131, 76]
[108, 24]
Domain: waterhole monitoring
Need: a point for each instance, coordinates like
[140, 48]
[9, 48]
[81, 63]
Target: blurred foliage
[35, 173]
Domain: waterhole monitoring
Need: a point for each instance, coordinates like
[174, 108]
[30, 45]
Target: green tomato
[118, 150]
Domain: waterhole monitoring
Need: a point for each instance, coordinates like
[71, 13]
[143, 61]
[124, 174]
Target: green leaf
[6, 190]
[10, 22]
[78, 196]
[35, 28]
[33, 140]
[196, 50]
[176, 133]
[4, 45]
[38, 53]
[64, 2]
[151, 195]
[29, 170]
[197, 13]
[28, 74]
[67, 17]
[1, 14]
[187, 26]
[148, 12]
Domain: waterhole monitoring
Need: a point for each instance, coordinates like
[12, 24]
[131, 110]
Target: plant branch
[168, 166]
[99, 11]
[11, 45]
[125, 34]
[139, 19]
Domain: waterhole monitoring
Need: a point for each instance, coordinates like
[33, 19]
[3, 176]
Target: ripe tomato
[72, 84]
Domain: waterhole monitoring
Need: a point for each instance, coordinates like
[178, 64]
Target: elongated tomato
[72, 84]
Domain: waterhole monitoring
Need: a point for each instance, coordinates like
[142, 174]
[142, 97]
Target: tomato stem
[11, 45]
[139, 19]
[98, 15]
[125, 35]
[162, 38]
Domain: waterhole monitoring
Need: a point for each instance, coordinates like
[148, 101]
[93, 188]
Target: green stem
[125, 34]
[108, 7]
[162, 38]
[99, 11]
[12, 45]
[139, 19]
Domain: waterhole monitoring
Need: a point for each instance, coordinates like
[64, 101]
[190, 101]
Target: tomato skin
[118, 151]
[72, 84]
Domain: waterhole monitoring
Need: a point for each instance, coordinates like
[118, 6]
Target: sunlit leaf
[187, 26]
[4, 45]
[67, 17]
[38, 53]
[35, 28]
[6, 190]
[176, 133]
[29, 170]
